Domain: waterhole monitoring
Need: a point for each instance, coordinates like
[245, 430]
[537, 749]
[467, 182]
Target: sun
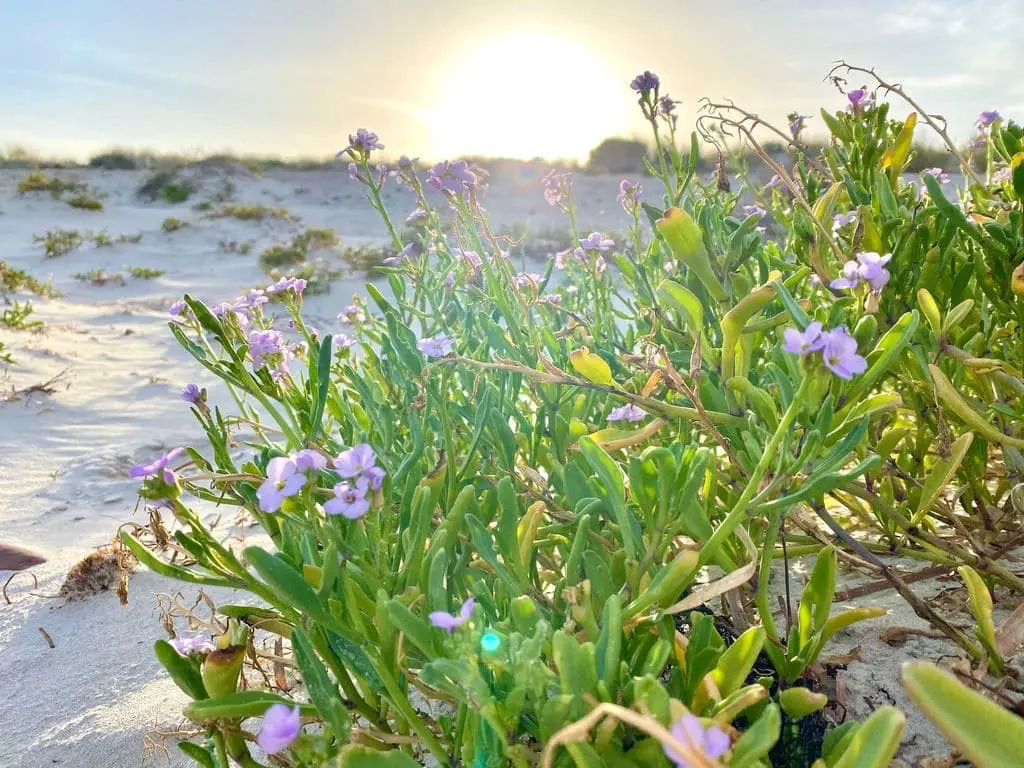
[525, 96]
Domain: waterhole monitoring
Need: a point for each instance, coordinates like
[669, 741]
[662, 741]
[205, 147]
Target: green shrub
[246, 212]
[42, 182]
[86, 202]
[99, 277]
[115, 160]
[167, 186]
[145, 273]
[59, 242]
[172, 224]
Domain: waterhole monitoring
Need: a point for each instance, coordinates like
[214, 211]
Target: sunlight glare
[526, 96]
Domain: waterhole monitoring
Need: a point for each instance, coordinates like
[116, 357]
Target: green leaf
[816, 601]
[200, 754]
[358, 756]
[758, 740]
[686, 305]
[288, 584]
[981, 606]
[322, 691]
[355, 659]
[986, 733]
[735, 664]
[416, 630]
[801, 318]
[239, 706]
[875, 741]
[323, 380]
[611, 477]
[609, 643]
[800, 702]
[183, 670]
[942, 472]
[151, 561]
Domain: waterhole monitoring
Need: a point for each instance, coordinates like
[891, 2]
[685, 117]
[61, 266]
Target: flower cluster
[939, 173]
[841, 220]
[358, 466]
[631, 413]
[558, 188]
[364, 142]
[986, 118]
[869, 267]
[645, 82]
[629, 195]
[436, 346]
[196, 644]
[838, 348]
[452, 177]
[859, 98]
[797, 123]
[264, 345]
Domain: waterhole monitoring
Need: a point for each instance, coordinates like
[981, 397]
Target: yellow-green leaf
[941, 473]
[898, 153]
[591, 367]
[686, 241]
[981, 606]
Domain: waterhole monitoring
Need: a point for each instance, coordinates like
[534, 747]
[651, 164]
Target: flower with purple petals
[754, 210]
[1002, 175]
[472, 258]
[343, 341]
[157, 467]
[986, 118]
[644, 82]
[849, 277]
[872, 269]
[375, 477]
[177, 308]
[557, 188]
[840, 354]
[553, 298]
[797, 123]
[281, 726]
[453, 177]
[195, 644]
[629, 195]
[631, 413]
[355, 461]
[192, 394]
[939, 174]
[596, 241]
[436, 346]
[283, 480]
[810, 340]
[308, 460]
[352, 315]
[858, 97]
[364, 141]
[417, 215]
[841, 220]
[448, 621]
[527, 280]
[354, 174]
[263, 344]
[667, 106]
[711, 742]
[349, 499]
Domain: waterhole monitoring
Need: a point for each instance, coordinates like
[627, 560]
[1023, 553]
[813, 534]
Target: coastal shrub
[252, 212]
[86, 202]
[116, 160]
[166, 185]
[59, 242]
[172, 224]
[517, 518]
[15, 315]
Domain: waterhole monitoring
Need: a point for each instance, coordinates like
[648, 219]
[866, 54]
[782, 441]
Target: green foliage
[59, 242]
[145, 273]
[85, 202]
[166, 185]
[42, 182]
[172, 224]
[254, 212]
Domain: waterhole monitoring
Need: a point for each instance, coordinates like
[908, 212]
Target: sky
[439, 78]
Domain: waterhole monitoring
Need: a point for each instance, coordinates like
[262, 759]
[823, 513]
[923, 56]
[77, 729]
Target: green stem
[736, 515]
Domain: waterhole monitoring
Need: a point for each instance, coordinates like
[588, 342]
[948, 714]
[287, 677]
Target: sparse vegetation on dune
[173, 224]
[252, 212]
[15, 315]
[60, 242]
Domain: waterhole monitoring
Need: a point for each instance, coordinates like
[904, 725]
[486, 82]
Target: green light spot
[490, 642]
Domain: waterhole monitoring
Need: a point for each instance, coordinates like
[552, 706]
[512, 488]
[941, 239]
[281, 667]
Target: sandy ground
[91, 699]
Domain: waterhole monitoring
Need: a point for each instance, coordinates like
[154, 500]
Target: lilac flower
[281, 726]
[352, 315]
[857, 98]
[437, 346]
[448, 621]
[754, 210]
[527, 279]
[354, 174]
[631, 413]
[417, 215]
[285, 284]
[561, 256]
[557, 188]
[157, 466]
[364, 140]
[840, 354]
[192, 394]
[629, 195]
[841, 220]
[1002, 175]
[773, 182]
[308, 460]
[849, 277]
[283, 480]
[256, 297]
[712, 741]
[644, 82]
[811, 340]
[177, 308]
[939, 174]
[600, 265]
[988, 117]
[349, 500]
[355, 460]
[553, 298]
[453, 177]
[666, 106]
[797, 123]
[872, 269]
[342, 341]
[595, 241]
[449, 280]
[196, 644]
[375, 477]
[262, 344]
[472, 258]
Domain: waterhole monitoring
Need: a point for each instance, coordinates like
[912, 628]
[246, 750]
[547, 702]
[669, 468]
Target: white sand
[63, 490]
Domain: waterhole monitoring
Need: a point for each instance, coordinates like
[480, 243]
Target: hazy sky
[432, 77]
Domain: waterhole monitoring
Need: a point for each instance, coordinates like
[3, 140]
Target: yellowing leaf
[898, 153]
[591, 367]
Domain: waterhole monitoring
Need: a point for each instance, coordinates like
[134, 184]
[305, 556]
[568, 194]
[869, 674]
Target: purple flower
[644, 82]
[849, 277]
[840, 354]
[595, 241]
[712, 741]
[631, 413]
[355, 460]
[157, 466]
[754, 210]
[281, 726]
[416, 216]
[797, 123]
[939, 174]
[666, 106]
[629, 195]
[553, 298]
[857, 97]
[262, 344]
[364, 140]
[437, 346]
[872, 269]
[527, 279]
[352, 314]
[988, 117]
[349, 500]
[177, 308]
[354, 174]
[449, 621]
[561, 256]
[375, 477]
[841, 220]
[285, 284]
[773, 182]
[1002, 175]
[196, 644]
[453, 177]
[343, 341]
[307, 460]
[472, 258]
[283, 480]
[811, 340]
[192, 394]
[557, 188]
